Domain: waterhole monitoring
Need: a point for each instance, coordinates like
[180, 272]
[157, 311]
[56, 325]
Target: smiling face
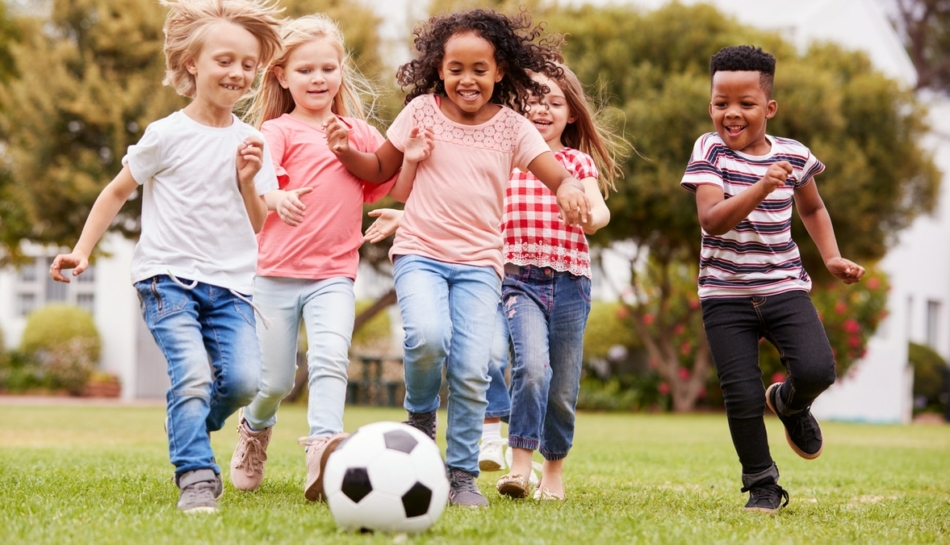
[224, 69]
[469, 73]
[313, 75]
[739, 108]
[550, 114]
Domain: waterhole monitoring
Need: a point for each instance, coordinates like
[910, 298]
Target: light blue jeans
[448, 312]
[547, 314]
[499, 401]
[214, 362]
[327, 308]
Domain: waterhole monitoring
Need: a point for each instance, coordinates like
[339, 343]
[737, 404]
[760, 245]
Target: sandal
[542, 494]
[513, 485]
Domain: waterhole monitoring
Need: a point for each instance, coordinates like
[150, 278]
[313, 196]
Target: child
[546, 288]
[203, 173]
[751, 281]
[307, 265]
[447, 251]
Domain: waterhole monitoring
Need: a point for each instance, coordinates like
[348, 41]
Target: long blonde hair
[186, 30]
[590, 133]
[272, 100]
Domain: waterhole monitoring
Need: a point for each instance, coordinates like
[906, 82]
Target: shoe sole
[513, 490]
[489, 465]
[315, 491]
[763, 510]
[788, 438]
[199, 510]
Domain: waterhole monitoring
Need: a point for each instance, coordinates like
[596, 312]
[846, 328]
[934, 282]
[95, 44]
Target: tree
[926, 25]
[12, 222]
[653, 67]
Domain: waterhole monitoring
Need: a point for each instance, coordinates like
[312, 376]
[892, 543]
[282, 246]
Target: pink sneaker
[318, 451]
[247, 462]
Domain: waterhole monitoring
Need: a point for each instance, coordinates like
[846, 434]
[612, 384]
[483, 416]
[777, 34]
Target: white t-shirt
[194, 223]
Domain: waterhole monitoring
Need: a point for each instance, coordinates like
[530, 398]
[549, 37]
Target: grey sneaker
[424, 422]
[199, 491]
[318, 452]
[250, 453]
[462, 490]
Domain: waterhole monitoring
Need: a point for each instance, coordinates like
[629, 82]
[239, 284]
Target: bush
[375, 337]
[929, 369]
[63, 340]
[3, 354]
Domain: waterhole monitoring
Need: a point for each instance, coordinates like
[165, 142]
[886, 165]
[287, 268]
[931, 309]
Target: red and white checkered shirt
[534, 235]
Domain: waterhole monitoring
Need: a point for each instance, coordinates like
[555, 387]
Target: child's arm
[287, 204]
[104, 210]
[818, 223]
[374, 168]
[571, 198]
[418, 148]
[718, 215]
[599, 213]
[249, 160]
[387, 220]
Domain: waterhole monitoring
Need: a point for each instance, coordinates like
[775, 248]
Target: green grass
[100, 474]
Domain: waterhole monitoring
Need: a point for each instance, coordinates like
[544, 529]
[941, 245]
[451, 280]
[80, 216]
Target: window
[933, 323]
[87, 301]
[26, 303]
[34, 288]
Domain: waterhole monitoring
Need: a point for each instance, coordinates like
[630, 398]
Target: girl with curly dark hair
[458, 139]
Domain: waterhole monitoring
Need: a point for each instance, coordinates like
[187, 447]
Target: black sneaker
[801, 429]
[766, 498]
[424, 422]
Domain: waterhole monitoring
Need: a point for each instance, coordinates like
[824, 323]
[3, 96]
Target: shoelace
[424, 422]
[308, 441]
[804, 427]
[254, 456]
[463, 481]
[768, 492]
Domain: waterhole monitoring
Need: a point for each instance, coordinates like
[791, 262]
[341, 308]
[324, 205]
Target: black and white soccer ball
[386, 477]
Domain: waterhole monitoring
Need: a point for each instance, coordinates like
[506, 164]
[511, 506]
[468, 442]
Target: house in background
[878, 391]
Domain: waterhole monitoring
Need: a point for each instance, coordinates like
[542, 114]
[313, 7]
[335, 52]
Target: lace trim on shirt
[548, 255]
[499, 134]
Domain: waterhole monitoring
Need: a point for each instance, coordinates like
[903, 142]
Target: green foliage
[607, 327]
[375, 337]
[929, 369]
[63, 339]
[631, 393]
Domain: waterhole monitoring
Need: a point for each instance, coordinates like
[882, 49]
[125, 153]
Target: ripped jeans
[207, 334]
[547, 313]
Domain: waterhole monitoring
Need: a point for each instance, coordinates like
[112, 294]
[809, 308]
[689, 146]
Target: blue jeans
[499, 401]
[448, 312]
[734, 327]
[327, 308]
[214, 362]
[547, 314]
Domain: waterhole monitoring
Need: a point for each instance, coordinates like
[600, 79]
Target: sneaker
[536, 468]
[199, 491]
[766, 498]
[424, 422]
[318, 451]
[490, 455]
[801, 429]
[247, 462]
[462, 490]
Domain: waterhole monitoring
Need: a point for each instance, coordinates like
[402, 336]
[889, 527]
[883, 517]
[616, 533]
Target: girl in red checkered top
[546, 288]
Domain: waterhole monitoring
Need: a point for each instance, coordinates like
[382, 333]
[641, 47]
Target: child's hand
[250, 157]
[290, 208]
[338, 135]
[419, 145]
[572, 202]
[386, 223]
[776, 175]
[76, 261]
[845, 270]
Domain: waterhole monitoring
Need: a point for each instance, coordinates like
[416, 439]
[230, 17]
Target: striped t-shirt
[758, 256]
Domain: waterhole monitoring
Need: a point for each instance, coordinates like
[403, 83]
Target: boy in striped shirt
[751, 281]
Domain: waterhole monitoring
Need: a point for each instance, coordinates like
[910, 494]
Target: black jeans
[734, 327]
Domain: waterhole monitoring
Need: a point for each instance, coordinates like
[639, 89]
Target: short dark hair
[745, 58]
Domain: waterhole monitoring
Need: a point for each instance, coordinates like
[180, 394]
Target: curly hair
[745, 58]
[518, 51]
[186, 30]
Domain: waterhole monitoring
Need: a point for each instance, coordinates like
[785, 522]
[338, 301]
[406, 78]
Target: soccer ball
[386, 477]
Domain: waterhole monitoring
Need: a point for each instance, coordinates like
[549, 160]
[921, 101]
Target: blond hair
[589, 133]
[186, 30]
[272, 100]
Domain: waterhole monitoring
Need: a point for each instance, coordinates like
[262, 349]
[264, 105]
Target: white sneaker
[490, 456]
[535, 468]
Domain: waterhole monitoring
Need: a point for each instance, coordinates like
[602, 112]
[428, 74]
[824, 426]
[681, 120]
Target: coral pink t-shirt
[326, 244]
[453, 213]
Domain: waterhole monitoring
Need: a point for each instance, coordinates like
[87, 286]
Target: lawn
[100, 474]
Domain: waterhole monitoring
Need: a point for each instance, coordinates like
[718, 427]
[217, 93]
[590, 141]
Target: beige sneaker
[247, 462]
[318, 451]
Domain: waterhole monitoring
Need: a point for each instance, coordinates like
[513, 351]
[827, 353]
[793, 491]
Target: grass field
[100, 474]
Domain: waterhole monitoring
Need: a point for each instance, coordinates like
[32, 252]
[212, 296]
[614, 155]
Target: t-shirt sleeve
[369, 139]
[266, 178]
[276, 141]
[529, 144]
[399, 131]
[812, 167]
[700, 169]
[144, 158]
[582, 166]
